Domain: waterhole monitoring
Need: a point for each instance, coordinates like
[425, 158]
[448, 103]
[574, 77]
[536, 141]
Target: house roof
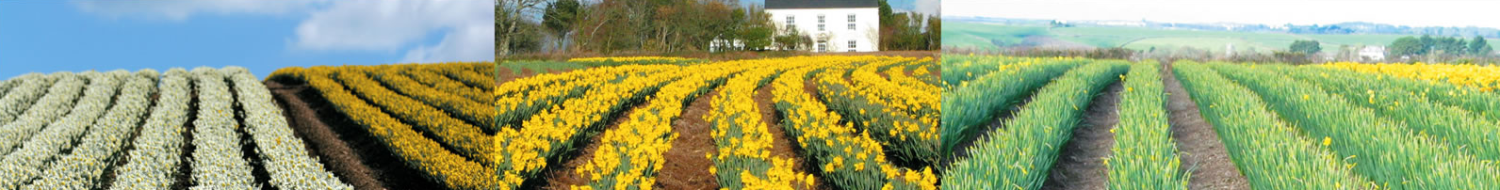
[810, 4]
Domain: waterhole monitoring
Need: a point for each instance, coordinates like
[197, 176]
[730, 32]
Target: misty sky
[1272, 12]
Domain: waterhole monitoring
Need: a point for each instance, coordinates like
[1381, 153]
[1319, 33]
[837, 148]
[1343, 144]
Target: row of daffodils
[543, 117]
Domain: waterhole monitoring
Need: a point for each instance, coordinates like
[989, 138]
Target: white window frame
[821, 23]
[853, 45]
[851, 22]
[791, 21]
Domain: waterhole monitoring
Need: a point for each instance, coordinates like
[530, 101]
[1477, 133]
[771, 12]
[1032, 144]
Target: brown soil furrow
[961, 150]
[366, 149]
[1198, 143]
[686, 166]
[566, 176]
[783, 145]
[336, 155]
[1081, 162]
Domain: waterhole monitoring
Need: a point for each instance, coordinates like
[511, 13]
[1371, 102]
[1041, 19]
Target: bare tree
[508, 15]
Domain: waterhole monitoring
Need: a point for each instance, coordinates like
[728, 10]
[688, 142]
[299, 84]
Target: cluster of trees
[908, 30]
[674, 26]
[638, 25]
[1442, 46]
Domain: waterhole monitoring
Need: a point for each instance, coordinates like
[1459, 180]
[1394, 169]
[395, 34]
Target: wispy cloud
[465, 26]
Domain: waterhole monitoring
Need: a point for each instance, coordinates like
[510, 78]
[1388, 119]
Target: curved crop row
[482, 114]
[57, 101]
[1144, 155]
[973, 103]
[217, 162]
[415, 150]
[831, 144]
[744, 140]
[1456, 126]
[1020, 155]
[1384, 150]
[21, 92]
[440, 82]
[154, 160]
[551, 132]
[1271, 153]
[913, 139]
[520, 107]
[283, 155]
[81, 168]
[892, 95]
[629, 155]
[467, 76]
[25, 162]
[467, 139]
[899, 76]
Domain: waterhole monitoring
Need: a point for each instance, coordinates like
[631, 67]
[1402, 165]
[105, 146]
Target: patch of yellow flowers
[425, 155]
[849, 160]
[744, 140]
[642, 140]
[1484, 78]
[549, 133]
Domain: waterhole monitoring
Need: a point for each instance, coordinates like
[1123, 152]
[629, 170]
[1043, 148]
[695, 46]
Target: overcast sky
[1273, 12]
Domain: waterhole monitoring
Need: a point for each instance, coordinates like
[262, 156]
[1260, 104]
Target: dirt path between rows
[566, 176]
[1080, 165]
[1198, 144]
[782, 145]
[334, 153]
[961, 150]
[363, 148]
[686, 166]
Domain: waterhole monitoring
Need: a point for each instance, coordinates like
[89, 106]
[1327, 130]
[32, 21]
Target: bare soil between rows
[687, 166]
[1203, 154]
[1080, 164]
[355, 155]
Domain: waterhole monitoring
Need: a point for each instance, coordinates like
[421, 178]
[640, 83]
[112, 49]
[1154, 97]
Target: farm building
[834, 25]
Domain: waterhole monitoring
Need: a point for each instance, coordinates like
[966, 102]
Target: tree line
[1441, 46]
[527, 26]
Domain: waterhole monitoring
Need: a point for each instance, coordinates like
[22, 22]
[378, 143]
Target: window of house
[852, 45]
[791, 21]
[851, 21]
[820, 23]
[822, 45]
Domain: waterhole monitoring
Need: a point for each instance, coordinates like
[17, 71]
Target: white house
[1374, 53]
[833, 25]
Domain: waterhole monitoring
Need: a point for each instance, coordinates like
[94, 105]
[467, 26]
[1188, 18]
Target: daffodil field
[1321, 126]
[142, 130]
[434, 118]
[887, 140]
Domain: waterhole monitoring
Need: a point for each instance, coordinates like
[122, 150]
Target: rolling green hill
[991, 36]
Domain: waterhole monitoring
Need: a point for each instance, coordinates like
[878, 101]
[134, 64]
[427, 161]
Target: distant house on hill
[1372, 53]
[833, 25]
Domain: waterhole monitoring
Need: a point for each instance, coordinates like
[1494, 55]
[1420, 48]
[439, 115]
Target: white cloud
[470, 43]
[389, 24]
[466, 27]
[179, 10]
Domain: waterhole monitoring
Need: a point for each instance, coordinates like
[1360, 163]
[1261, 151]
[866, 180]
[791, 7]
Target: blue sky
[50, 36]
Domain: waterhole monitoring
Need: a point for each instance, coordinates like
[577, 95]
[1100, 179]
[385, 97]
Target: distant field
[992, 36]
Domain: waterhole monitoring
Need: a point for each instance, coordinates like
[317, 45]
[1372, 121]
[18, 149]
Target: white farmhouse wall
[865, 35]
